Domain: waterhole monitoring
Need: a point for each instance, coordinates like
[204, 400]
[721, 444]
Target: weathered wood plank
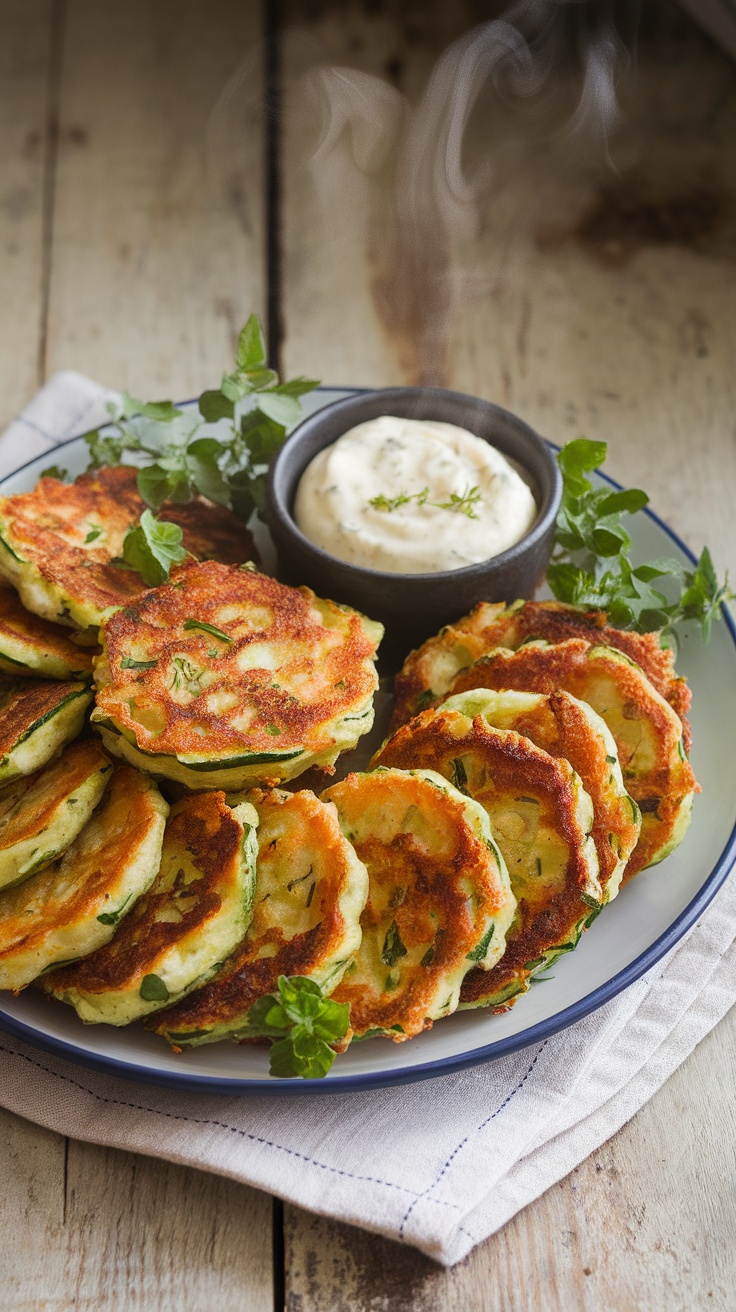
[115, 1231]
[26, 144]
[588, 302]
[646, 1222]
[157, 236]
[588, 305]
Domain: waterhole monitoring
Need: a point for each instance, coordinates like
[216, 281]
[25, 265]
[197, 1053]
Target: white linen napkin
[441, 1164]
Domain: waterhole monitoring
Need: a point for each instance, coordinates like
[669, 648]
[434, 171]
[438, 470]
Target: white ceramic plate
[647, 918]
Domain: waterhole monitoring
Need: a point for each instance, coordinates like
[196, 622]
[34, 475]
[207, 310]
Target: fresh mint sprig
[302, 1024]
[152, 547]
[179, 461]
[591, 563]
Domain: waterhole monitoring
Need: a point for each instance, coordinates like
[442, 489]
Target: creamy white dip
[411, 496]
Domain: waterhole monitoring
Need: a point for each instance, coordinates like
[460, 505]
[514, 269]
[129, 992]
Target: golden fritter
[41, 814]
[645, 728]
[30, 646]
[36, 719]
[226, 678]
[58, 543]
[310, 891]
[439, 901]
[72, 906]
[541, 818]
[180, 931]
[570, 730]
[429, 671]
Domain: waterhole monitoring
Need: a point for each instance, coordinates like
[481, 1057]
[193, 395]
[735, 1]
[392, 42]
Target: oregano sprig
[302, 1024]
[591, 562]
[180, 461]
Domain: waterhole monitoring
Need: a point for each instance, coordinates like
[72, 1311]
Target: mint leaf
[284, 410]
[164, 411]
[157, 485]
[251, 350]
[304, 1024]
[214, 405]
[152, 548]
[591, 565]
[54, 471]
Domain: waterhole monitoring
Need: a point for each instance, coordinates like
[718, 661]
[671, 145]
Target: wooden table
[144, 211]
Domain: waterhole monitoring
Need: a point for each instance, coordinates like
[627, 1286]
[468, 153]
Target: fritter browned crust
[421, 887]
[289, 667]
[48, 528]
[206, 826]
[21, 818]
[575, 666]
[19, 626]
[25, 705]
[560, 726]
[76, 889]
[501, 769]
[288, 823]
[496, 625]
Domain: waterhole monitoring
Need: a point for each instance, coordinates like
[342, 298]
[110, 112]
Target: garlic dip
[412, 496]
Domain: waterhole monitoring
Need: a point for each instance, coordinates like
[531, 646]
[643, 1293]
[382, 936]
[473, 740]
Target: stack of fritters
[573, 735]
[222, 677]
[539, 759]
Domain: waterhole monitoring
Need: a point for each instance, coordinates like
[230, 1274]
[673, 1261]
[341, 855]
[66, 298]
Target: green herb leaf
[479, 952]
[592, 568]
[459, 774]
[251, 350]
[214, 405]
[153, 989]
[54, 471]
[284, 410]
[180, 462]
[303, 1023]
[393, 948]
[128, 663]
[164, 411]
[207, 628]
[152, 548]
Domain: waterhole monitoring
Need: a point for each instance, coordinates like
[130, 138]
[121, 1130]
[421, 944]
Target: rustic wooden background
[146, 206]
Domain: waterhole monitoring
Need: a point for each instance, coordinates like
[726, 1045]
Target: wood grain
[157, 242]
[26, 142]
[112, 1230]
[645, 1223]
[148, 229]
[590, 305]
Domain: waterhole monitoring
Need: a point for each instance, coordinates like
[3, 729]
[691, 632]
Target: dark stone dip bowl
[413, 606]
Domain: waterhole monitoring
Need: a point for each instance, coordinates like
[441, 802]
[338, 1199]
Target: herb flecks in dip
[411, 496]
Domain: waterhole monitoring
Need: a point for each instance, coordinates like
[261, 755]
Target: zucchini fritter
[57, 543]
[439, 900]
[541, 818]
[36, 720]
[310, 891]
[181, 930]
[429, 671]
[225, 678]
[36, 647]
[41, 814]
[570, 729]
[646, 730]
[72, 906]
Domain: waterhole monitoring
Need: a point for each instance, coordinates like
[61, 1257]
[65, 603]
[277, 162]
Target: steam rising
[398, 179]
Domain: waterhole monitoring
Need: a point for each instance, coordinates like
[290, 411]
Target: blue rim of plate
[189, 1083]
